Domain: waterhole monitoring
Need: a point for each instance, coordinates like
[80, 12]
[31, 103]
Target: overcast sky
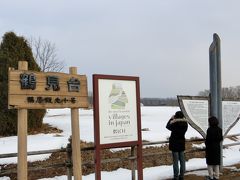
[164, 42]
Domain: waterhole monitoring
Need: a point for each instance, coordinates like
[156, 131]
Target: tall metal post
[216, 82]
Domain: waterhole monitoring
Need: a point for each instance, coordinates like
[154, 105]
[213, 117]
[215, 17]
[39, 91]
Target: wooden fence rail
[132, 157]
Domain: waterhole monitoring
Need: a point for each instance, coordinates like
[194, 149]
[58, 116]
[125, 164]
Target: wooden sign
[46, 90]
[38, 90]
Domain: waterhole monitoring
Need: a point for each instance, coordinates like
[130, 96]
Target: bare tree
[204, 93]
[227, 92]
[45, 54]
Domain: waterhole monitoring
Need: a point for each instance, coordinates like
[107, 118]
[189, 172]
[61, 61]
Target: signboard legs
[76, 150]
[22, 135]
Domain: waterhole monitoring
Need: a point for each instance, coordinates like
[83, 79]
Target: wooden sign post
[76, 150]
[39, 90]
[22, 135]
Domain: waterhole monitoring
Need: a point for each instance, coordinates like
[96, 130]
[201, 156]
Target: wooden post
[69, 159]
[22, 135]
[76, 150]
[133, 163]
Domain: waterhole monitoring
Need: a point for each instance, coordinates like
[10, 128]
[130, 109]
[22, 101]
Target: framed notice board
[117, 116]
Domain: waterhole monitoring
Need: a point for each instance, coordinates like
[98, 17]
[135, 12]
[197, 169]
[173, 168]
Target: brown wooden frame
[98, 146]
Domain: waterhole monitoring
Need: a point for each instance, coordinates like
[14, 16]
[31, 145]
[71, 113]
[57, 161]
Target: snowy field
[153, 118]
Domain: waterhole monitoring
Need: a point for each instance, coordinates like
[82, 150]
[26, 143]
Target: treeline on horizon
[159, 101]
[227, 93]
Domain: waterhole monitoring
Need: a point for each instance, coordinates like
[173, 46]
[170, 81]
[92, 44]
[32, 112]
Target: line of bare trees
[159, 101]
[227, 92]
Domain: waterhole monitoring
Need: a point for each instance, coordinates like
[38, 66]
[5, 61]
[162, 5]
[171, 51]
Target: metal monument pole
[216, 82]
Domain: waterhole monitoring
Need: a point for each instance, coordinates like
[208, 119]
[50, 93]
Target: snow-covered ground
[153, 118]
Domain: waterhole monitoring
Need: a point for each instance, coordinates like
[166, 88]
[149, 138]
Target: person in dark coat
[212, 142]
[178, 127]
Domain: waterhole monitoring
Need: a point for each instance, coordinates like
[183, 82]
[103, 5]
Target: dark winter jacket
[178, 128]
[212, 142]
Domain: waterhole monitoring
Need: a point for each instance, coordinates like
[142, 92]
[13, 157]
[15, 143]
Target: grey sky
[165, 43]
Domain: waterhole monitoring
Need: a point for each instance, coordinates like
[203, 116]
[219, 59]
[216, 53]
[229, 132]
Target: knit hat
[179, 114]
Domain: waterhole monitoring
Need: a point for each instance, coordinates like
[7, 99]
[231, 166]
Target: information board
[196, 110]
[117, 111]
[231, 114]
[117, 116]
